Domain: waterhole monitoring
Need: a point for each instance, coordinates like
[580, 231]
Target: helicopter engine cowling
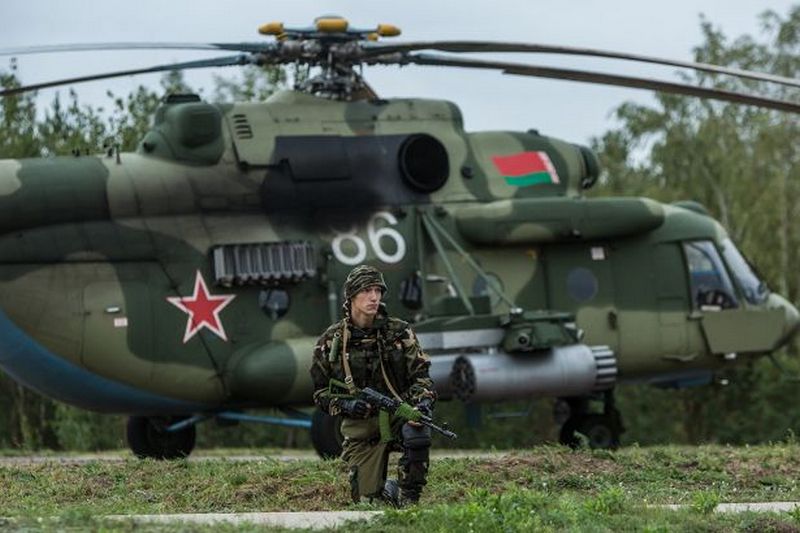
[313, 172]
[539, 221]
[573, 370]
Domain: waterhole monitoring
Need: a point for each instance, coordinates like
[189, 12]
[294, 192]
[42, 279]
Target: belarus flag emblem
[526, 168]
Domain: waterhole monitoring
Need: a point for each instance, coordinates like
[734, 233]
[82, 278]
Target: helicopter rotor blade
[489, 46]
[103, 47]
[522, 69]
[241, 59]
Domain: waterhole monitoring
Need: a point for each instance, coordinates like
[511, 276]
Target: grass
[546, 488]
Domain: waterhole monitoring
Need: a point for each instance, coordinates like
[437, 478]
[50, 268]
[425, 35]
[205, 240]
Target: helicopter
[190, 279]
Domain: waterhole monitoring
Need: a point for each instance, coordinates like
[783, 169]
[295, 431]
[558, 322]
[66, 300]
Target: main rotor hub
[331, 45]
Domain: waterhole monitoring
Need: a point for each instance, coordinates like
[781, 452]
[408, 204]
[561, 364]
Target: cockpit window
[755, 291]
[711, 285]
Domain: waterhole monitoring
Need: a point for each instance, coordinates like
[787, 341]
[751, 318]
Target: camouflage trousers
[368, 458]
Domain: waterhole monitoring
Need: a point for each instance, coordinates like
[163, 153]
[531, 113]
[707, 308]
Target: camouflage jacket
[391, 339]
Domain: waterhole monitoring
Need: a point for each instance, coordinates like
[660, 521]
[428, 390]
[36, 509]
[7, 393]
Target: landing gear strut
[600, 430]
[148, 438]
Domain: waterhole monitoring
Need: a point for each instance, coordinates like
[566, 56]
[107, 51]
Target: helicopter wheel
[326, 435]
[600, 431]
[148, 438]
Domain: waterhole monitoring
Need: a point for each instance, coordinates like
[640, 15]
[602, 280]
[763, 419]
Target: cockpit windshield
[755, 291]
[711, 285]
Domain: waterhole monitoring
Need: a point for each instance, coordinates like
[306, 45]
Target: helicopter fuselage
[195, 274]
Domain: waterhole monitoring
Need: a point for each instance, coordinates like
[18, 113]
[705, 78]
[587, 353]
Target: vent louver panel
[241, 127]
[263, 263]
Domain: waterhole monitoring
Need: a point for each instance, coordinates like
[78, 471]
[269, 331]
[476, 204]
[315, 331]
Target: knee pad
[416, 437]
[417, 443]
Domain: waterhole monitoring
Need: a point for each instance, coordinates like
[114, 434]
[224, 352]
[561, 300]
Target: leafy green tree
[253, 84]
[18, 119]
[743, 164]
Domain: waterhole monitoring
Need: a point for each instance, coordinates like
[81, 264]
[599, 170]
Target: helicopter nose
[791, 317]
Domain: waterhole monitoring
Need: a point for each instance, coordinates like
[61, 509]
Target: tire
[326, 435]
[600, 431]
[148, 438]
[567, 435]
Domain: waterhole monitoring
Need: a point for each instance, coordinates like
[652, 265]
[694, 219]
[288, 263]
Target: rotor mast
[332, 46]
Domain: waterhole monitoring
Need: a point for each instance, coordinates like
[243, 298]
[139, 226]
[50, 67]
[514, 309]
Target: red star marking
[203, 309]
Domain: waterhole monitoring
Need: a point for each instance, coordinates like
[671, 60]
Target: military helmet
[360, 278]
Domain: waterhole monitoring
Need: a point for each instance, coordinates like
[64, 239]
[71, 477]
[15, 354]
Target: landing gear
[148, 438]
[598, 430]
[326, 435]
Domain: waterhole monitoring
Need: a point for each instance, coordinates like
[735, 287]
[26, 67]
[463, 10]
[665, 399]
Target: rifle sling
[348, 374]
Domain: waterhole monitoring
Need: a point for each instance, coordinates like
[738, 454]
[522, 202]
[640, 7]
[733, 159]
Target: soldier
[367, 348]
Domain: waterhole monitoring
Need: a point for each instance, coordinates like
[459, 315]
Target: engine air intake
[423, 163]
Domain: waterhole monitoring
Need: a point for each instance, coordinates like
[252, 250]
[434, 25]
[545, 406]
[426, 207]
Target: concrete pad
[310, 520]
[298, 455]
[774, 507]
[763, 507]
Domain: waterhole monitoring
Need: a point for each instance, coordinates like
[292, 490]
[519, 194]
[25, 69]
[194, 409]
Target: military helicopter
[189, 280]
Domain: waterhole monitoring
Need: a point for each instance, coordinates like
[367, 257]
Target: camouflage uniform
[406, 366]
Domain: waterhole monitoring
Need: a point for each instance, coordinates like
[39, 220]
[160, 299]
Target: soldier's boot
[412, 483]
[391, 493]
[355, 493]
[413, 464]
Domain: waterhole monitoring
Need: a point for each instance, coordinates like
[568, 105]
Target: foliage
[77, 429]
[522, 491]
[18, 117]
[742, 163]
[704, 502]
[254, 85]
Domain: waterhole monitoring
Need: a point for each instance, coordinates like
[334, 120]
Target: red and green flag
[526, 168]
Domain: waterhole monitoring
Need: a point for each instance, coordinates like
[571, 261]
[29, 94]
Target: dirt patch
[773, 525]
[563, 468]
[564, 464]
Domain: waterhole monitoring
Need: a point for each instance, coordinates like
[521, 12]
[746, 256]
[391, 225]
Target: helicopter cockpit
[754, 290]
[713, 276]
[710, 283]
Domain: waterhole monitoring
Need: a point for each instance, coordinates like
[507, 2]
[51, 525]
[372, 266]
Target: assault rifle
[402, 410]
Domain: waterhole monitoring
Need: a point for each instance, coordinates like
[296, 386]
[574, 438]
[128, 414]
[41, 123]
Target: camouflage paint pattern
[92, 248]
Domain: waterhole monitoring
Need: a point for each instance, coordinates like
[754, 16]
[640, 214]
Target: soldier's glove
[425, 406]
[355, 408]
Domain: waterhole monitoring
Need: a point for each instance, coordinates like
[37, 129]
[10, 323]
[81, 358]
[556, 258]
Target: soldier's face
[367, 301]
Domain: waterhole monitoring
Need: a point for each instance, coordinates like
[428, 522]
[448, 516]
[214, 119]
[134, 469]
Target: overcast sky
[569, 110]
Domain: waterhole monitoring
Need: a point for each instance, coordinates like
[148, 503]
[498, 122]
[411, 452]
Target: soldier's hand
[425, 406]
[356, 408]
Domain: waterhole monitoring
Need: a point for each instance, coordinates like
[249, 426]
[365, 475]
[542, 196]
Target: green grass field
[546, 488]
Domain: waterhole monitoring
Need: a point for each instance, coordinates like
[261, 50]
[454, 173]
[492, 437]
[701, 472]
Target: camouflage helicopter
[189, 280]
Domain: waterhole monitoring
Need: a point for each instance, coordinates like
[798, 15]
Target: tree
[743, 164]
[18, 117]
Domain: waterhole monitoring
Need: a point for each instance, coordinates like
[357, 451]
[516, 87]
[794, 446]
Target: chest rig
[374, 350]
